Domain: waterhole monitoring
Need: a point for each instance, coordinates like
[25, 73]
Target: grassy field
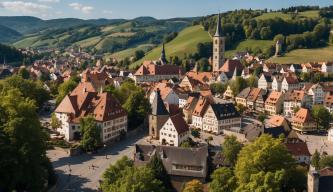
[26, 42]
[272, 15]
[249, 44]
[185, 42]
[306, 55]
[129, 52]
[89, 42]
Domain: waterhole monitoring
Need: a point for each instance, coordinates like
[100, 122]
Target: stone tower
[158, 116]
[278, 48]
[313, 181]
[218, 47]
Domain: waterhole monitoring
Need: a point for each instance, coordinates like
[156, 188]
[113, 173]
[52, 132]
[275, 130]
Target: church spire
[218, 32]
[163, 56]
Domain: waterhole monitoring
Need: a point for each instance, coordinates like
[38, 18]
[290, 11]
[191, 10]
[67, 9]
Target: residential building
[274, 103]
[317, 94]
[181, 164]
[174, 131]
[277, 83]
[295, 68]
[302, 121]
[189, 108]
[327, 67]
[168, 94]
[241, 98]
[265, 81]
[300, 152]
[290, 83]
[159, 115]
[292, 100]
[152, 72]
[232, 68]
[107, 111]
[228, 94]
[252, 98]
[200, 110]
[278, 121]
[221, 116]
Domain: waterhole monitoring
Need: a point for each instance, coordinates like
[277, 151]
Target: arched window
[216, 41]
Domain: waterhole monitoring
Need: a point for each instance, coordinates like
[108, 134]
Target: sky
[128, 9]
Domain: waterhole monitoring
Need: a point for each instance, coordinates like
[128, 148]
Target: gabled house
[327, 67]
[221, 116]
[174, 131]
[200, 110]
[241, 98]
[107, 111]
[271, 67]
[317, 94]
[181, 164]
[253, 97]
[265, 81]
[189, 108]
[228, 94]
[292, 100]
[274, 103]
[295, 68]
[167, 92]
[302, 121]
[278, 121]
[231, 68]
[290, 83]
[151, 72]
[277, 82]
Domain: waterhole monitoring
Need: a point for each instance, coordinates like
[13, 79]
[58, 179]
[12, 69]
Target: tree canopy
[230, 149]
[91, 134]
[223, 180]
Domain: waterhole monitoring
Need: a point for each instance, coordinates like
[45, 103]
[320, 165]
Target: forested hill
[295, 27]
[9, 54]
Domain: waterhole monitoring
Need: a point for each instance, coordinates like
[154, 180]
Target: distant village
[183, 104]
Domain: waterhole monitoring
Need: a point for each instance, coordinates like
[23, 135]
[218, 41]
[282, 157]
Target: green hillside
[129, 52]
[185, 42]
[249, 45]
[306, 55]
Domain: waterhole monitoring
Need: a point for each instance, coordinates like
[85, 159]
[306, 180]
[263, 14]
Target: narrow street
[82, 173]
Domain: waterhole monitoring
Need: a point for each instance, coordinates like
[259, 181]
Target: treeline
[326, 12]
[9, 54]
[309, 39]
[299, 9]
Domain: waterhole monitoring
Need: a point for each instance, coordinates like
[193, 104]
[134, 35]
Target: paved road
[83, 176]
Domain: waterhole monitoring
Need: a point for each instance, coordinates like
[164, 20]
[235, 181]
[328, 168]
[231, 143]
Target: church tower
[163, 59]
[218, 47]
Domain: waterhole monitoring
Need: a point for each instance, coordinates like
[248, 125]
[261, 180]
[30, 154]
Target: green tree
[193, 186]
[158, 169]
[65, 88]
[55, 123]
[218, 88]
[230, 149]
[23, 161]
[24, 73]
[252, 81]
[237, 85]
[137, 106]
[223, 180]
[266, 33]
[28, 88]
[315, 160]
[326, 161]
[322, 116]
[139, 54]
[262, 117]
[91, 134]
[123, 177]
[264, 181]
[261, 160]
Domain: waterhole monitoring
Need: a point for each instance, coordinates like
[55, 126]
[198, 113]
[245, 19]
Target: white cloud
[107, 12]
[24, 7]
[49, 1]
[82, 8]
